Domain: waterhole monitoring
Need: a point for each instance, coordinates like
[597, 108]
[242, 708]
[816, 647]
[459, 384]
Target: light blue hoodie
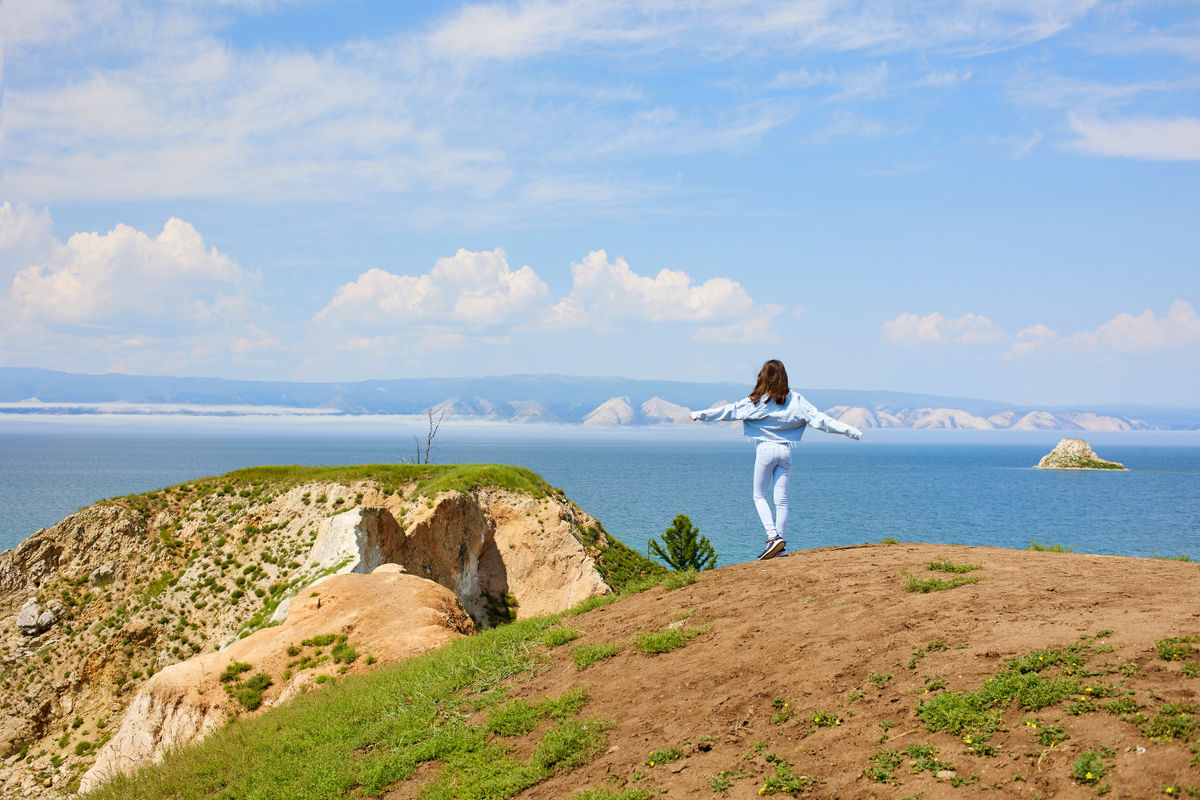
[768, 421]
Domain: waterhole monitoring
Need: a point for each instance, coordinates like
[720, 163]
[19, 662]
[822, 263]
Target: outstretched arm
[823, 422]
[742, 409]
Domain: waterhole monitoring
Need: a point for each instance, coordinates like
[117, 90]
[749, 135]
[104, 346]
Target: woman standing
[775, 416]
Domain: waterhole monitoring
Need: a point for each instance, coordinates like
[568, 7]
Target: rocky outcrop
[387, 614]
[1075, 454]
[484, 548]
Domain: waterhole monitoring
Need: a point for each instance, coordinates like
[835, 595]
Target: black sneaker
[774, 547]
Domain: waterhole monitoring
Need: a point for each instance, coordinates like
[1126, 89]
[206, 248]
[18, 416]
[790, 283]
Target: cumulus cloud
[475, 288]
[1124, 333]
[108, 278]
[969, 329]
[1146, 332]
[124, 300]
[26, 238]
[1145, 138]
[605, 292]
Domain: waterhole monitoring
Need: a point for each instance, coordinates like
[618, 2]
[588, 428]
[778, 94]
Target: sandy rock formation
[1075, 454]
[491, 545]
[387, 613]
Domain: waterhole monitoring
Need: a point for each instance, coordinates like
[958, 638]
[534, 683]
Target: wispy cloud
[1145, 138]
[934, 328]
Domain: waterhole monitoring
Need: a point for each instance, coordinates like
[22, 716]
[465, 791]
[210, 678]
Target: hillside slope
[101, 606]
[818, 675]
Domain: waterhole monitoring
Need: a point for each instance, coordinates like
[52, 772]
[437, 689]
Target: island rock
[1075, 454]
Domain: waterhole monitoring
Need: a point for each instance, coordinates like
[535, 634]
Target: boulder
[103, 574]
[1075, 454]
[32, 620]
[387, 614]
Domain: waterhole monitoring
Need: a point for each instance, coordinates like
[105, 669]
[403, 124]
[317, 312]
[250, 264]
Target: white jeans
[772, 464]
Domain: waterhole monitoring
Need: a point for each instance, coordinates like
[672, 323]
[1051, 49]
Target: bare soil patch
[834, 632]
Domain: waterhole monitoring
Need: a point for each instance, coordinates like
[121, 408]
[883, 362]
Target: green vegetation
[556, 637]
[1090, 767]
[1042, 547]
[785, 781]
[666, 640]
[928, 585]
[677, 580]
[664, 756]
[943, 565]
[683, 548]
[362, 735]
[1177, 648]
[826, 719]
[623, 568]
[518, 717]
[608, 794]
[587, 654]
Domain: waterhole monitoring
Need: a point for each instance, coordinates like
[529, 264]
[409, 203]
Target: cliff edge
[98, 612]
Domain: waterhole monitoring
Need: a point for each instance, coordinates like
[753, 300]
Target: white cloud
[969, 329]
[1125, 333]
[1145, 138]
[475, 288]
[606, 292]
[108, 278]
[1030, 340]
[124, 300]
[26, 238]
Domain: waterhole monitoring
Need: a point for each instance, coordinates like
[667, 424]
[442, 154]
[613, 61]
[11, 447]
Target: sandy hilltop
[305, 606]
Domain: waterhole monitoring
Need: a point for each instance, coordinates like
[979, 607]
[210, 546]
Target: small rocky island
[1075, 454]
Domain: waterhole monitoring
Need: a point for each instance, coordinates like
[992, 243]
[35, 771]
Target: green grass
[363, 734]
[928, 585]
[585, 655]
[1042, 547]
[558, 636]
[666, 640]
[677, 580]
[518, 717]
[949, 566]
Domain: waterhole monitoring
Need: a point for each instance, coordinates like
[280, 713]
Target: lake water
[931, 486]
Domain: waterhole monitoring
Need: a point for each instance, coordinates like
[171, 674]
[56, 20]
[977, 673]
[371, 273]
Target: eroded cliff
[98, 608]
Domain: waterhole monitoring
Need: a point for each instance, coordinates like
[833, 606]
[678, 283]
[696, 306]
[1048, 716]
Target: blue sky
[995, 199]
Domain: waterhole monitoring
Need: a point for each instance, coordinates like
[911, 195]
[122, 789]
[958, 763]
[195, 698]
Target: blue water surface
[930, 486]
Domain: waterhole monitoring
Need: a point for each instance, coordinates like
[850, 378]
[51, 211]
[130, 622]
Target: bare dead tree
[423, 458]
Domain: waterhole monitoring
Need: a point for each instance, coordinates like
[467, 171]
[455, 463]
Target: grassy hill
[889, 670]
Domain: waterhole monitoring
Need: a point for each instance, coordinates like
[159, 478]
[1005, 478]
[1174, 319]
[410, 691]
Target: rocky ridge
[1075, 454]
[94, 610]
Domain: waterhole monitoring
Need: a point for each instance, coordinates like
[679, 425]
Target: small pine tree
[685, 547]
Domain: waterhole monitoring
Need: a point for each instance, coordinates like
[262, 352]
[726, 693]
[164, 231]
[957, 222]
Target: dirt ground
[811, 629]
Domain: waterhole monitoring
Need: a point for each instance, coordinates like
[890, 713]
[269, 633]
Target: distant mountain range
[540, 398]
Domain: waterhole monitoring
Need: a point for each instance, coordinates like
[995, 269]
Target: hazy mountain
[552, 398]
[659, 411]
[613, 411]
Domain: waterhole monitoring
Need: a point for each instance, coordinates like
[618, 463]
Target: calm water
[951, 487]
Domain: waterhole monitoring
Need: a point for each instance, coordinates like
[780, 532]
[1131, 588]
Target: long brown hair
[772, 382]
